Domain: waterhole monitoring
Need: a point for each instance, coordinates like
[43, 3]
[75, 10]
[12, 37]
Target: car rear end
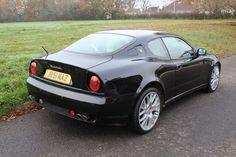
[65, 82]
[66, 89]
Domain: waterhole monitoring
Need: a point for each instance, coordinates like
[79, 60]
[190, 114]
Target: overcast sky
[160, 3]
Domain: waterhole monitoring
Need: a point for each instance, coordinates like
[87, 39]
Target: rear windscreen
[100, 43]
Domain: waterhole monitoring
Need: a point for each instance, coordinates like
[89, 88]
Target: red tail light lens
[33, 68]
[72, 113]
[94, 83]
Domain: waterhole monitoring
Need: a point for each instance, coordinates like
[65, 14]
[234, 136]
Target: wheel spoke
[142, 112]
[156, 102]
[143, 118]
[153, 119]
[144, 123]
[148, 100]
[154, 96]
[142, 106]
[147, 121]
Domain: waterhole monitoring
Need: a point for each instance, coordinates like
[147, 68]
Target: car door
[165, 68]
[189, 71]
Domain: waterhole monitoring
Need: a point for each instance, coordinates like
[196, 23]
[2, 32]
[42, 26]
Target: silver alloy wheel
[149, 111]
[215, 78]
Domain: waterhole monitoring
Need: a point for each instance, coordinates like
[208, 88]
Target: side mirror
[201, 52]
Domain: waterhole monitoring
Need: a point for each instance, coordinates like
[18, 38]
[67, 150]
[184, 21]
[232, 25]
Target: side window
[178, 48]
[137, 51]
[157, 48]
[140, 50]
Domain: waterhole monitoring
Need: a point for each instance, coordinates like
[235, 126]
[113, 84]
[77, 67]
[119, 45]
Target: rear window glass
[100, 43]
[158, 49]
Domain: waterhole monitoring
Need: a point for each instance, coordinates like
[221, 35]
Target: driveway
[199, 125]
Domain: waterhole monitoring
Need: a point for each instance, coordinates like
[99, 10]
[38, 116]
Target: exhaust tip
[41, 101]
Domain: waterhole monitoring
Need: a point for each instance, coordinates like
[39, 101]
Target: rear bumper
[92, 108]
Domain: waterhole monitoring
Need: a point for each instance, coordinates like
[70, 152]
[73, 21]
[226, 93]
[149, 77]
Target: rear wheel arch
[153, 84]
[156, 85]
[219, 64]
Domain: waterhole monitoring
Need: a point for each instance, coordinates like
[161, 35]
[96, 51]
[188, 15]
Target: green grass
[19, 42]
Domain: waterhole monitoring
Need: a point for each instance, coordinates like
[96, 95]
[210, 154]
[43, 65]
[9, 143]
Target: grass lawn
[19, 42]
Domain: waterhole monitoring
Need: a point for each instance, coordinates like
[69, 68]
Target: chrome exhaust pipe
[41, 101]
[85, 118]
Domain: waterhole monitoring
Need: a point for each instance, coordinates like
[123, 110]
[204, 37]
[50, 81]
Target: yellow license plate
[58, 76]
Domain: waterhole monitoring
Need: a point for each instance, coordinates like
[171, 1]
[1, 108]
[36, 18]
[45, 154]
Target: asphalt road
[201, 124]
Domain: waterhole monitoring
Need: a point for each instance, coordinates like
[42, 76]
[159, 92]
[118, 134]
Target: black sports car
[121, 77]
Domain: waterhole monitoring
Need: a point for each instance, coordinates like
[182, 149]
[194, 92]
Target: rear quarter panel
[130, 76]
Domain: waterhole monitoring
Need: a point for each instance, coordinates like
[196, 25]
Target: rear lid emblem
[55, 67]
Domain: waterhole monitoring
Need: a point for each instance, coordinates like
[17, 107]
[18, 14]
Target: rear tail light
[33, 68]
[94, 83]
[72, 113]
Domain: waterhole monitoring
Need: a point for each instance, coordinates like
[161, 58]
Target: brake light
[94, 83]
[72, 113]
[33, 68]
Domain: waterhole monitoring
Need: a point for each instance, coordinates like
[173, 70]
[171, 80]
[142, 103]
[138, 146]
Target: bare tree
[145, 4]
[119, 4]
[132, 3]
[212, 6]
[28, 10]
[231, 3]
[113, 7]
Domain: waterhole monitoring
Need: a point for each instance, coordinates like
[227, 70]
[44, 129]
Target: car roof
[137, 33]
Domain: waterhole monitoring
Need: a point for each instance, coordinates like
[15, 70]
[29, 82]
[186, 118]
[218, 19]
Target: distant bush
[177, 16]
[119, 15]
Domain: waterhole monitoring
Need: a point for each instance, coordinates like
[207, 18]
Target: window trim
[180, 39]
[164, 46]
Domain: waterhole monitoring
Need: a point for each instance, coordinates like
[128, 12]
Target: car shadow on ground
[78, 129]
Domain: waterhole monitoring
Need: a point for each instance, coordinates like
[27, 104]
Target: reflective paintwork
[124, 75]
